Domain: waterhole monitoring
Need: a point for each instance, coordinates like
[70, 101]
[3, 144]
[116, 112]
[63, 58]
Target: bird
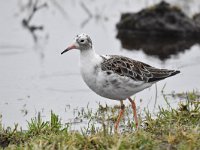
[113, 76]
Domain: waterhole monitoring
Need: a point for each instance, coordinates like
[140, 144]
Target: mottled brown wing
[136, 70]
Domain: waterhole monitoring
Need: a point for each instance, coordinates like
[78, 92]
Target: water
[34, 77]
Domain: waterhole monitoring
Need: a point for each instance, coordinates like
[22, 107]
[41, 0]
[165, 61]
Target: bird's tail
[162, 74]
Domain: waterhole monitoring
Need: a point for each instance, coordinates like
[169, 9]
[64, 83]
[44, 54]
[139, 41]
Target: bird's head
[81, 42]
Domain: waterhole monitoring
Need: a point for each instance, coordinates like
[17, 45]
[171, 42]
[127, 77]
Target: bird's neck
[89, 56]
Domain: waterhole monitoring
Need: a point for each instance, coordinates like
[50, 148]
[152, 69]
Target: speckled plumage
[136, 70]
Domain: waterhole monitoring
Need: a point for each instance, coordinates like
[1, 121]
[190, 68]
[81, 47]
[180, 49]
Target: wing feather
[136, 70]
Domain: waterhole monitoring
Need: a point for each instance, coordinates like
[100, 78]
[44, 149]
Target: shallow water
[34, 77]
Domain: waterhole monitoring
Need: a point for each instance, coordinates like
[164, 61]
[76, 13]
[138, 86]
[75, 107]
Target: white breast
[112, 86]
[90, 66]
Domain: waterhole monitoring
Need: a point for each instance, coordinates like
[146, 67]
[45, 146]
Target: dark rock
[162, 19]
[161, 30]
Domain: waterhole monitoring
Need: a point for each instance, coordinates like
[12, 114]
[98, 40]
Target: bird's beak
[73, 46]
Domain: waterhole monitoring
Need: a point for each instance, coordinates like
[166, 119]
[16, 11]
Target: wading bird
[115, 77]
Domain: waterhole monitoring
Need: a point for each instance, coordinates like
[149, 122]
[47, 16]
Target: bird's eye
[82, 41]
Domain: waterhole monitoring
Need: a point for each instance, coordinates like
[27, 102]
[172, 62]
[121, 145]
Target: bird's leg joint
[122, 106]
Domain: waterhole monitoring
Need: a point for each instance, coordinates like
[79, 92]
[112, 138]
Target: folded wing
[136, 70]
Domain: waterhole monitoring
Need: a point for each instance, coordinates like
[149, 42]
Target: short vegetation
[169, 129]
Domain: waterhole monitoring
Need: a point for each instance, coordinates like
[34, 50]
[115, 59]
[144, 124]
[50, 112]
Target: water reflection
[32, 8]
[97, 15]
[163, 48]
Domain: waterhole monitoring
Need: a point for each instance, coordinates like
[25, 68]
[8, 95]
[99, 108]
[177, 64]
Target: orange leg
[120, 115]
[134, 111]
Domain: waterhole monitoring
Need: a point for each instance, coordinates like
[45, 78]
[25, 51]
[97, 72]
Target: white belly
[112, 86]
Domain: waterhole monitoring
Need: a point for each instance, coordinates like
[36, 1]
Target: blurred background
[34, 77]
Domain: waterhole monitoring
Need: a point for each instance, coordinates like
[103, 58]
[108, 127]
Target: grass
[170, 129]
